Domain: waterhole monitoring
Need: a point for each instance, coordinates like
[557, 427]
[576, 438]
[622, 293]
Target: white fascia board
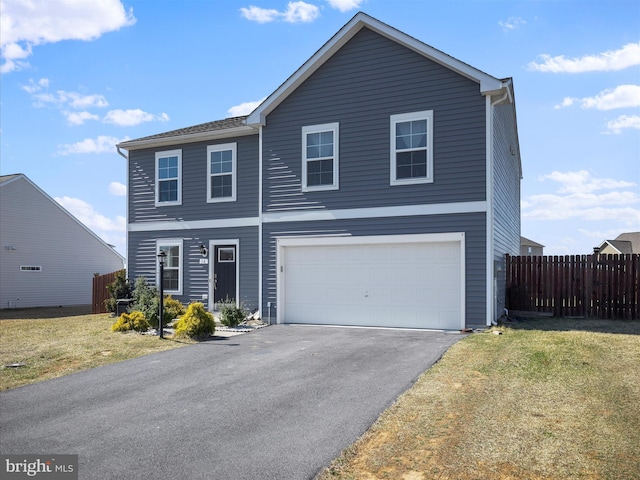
[191, 138]
[488, 85]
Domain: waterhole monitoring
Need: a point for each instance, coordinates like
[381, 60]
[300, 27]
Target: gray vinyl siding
[194, 183]
[506, 199]
[361, 86]
[143, 261]
[39, 232]
[475, 244]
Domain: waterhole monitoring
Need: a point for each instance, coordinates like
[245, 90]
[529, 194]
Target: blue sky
[78, 76]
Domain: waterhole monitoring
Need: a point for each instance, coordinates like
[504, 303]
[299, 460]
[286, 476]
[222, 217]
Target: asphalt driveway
[278, 403]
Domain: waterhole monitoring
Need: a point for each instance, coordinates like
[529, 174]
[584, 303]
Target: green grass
[547, 399]
[55, 342]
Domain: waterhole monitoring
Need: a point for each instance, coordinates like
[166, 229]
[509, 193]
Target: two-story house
[379, 185]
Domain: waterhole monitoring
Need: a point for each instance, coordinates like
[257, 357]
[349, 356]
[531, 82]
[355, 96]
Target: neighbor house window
[172, 265]
[30, 268]
[168, 178]
[320, 157]
[412, 148]
[221, 172]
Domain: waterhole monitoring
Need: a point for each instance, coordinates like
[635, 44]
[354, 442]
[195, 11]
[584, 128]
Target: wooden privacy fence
[100, 292]
[603, 286]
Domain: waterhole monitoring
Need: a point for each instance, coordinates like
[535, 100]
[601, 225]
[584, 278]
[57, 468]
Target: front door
[224, 273]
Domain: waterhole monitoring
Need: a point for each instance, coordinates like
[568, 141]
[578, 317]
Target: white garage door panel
[411, 285]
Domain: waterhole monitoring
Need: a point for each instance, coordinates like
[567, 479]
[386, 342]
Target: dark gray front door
[224, 273]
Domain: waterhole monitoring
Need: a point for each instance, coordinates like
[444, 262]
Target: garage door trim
[283, 242]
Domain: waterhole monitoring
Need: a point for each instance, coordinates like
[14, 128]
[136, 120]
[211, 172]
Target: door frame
[212, 251]
[306, 241]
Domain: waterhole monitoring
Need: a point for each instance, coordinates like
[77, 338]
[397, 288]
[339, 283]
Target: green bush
[231, 314]
[119, 288]
[131, 321]
[196, 322]
[172, 309]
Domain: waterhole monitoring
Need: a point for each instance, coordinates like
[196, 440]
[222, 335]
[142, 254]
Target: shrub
[131, 321]
[146, 299]
[172, 309]
[196, 322]
[119, 288]
[231, 314]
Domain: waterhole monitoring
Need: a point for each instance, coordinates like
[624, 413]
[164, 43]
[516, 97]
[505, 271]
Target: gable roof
[8, 179]
[625, 243]
[234, 126]
[488, 85]
[529, 243]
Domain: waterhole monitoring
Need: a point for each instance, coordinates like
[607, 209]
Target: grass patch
[547, 399]
[56, 342]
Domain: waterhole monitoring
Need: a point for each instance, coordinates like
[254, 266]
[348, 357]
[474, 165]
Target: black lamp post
[161, 258]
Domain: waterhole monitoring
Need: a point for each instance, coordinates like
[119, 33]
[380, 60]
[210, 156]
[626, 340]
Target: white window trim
[406, 117]
[335, 128]
[170, 242]
[169, 153]
[219, 148]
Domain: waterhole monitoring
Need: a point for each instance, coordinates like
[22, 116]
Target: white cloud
[582, 181]
[296, 12]
[623, 96]
[34, 87]
[575, 199]
[345, 5]
[25, 24]
[102, 144]
[512, 23]
[78, 118]
[622, 122]
[260, 15]
[118, 189]
[244, 108]
[612, 60]
[128, 118]
[301, 12]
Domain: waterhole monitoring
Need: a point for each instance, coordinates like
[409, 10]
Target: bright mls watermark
[49, 467]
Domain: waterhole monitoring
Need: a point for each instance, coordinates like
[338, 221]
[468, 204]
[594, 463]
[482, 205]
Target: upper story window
[412, 148]
[172, 278]
[168, 178]
[320, 157]
[221, 172]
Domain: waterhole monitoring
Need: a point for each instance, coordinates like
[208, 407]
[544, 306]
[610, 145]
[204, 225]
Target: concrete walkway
[277, 403]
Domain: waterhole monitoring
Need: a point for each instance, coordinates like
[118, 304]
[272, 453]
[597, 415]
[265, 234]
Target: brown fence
[603, 286]
[100, 292]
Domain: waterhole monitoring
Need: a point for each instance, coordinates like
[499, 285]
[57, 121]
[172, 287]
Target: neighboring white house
[47, 256]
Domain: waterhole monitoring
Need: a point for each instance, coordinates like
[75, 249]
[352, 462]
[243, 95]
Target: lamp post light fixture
[161, 259]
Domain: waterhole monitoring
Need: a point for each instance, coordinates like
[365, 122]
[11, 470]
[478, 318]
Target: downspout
[489, 293]
[260, 242]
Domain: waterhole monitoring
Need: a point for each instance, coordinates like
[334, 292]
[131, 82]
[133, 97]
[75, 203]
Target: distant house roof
[196, 133]
[625, 243]
[529, 243]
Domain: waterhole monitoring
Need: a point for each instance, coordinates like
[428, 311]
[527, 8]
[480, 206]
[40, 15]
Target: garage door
[379, 281]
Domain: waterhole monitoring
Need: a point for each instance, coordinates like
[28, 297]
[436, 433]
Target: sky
[79, 76]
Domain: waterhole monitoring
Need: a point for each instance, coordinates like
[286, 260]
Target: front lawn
[55, 342]
[547, 399]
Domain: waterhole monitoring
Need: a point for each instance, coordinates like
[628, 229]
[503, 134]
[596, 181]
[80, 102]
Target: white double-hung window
[412, 148]
[168, 178]
[320, 157]
[221, 172]
[172, 278]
